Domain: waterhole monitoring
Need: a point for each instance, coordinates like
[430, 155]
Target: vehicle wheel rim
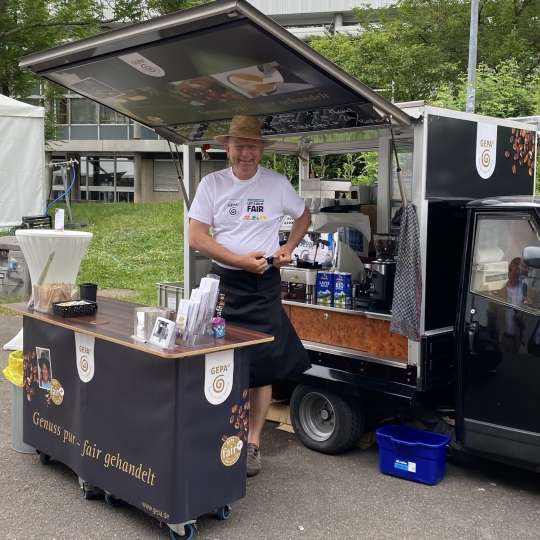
[317, 416]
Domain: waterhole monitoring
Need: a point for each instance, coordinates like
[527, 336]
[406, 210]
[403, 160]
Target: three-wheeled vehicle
[476, 362]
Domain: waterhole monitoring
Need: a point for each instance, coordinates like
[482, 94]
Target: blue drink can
[343, 290]
[325, 288]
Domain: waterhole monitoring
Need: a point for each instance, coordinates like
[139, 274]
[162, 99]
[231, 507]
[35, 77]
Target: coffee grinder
[377, 288]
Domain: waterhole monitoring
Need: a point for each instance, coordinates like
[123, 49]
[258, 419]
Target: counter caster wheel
[44, 458]
[88, 491]
[189, 532]
[111, 500]
[223, 513]
[325, 421]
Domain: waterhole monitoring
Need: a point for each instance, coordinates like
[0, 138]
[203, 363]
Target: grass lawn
[134, 246]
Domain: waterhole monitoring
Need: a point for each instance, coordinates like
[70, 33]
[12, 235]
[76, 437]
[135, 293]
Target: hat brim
[223, 138]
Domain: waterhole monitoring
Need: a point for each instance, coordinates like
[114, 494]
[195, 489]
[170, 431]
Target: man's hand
[282, 257]
[252, 262]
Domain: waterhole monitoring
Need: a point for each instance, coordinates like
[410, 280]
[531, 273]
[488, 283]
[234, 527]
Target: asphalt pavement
[299, 495]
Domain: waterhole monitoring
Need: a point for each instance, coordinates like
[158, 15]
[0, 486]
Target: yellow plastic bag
[13, 372]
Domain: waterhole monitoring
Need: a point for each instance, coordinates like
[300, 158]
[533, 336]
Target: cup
[88, 291]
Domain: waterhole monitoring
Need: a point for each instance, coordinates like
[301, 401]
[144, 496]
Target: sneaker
[254, 465]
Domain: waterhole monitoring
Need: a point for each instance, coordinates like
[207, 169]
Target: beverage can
[343, 290]
[325, 288]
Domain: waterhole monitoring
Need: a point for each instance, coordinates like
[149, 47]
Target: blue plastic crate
[411, 453]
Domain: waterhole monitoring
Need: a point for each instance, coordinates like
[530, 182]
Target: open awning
[188, 73]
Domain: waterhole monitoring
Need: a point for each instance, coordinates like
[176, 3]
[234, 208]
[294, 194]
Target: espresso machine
[298, 284]
[377, 289]
[298, 281]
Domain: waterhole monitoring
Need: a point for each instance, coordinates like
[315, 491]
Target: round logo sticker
[231, 450]
[57, 392]
[219, 376]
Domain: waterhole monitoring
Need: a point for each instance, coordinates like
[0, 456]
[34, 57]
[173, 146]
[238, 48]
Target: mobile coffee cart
[186, 74]
[160, 429]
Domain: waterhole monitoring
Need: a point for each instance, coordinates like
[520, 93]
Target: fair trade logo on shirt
[255, 210]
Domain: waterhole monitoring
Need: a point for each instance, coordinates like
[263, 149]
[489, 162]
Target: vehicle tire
[44, 458]
[189, 532]
[324, 421]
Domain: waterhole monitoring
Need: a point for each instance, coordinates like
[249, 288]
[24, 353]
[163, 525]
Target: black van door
[500, 334]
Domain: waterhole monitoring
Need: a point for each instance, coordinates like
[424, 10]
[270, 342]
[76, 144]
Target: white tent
[22, 161]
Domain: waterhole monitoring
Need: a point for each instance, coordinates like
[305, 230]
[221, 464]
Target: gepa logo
[218, 376]
[486, 149]
[144, 65]
[233, 207]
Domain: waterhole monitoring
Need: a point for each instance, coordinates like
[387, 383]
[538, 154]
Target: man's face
[244, 154]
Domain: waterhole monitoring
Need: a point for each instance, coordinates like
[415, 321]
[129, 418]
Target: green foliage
[326, 166]
[28, 26]
[282, 164]
[370, 169]
[347, 171]
[359, 169]
[134, 246]
[410, 51]
[168, 6]
[318, 165]
[31, 25]
[502, 91]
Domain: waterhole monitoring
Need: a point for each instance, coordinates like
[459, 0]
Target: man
[509, 321]
[244, 205]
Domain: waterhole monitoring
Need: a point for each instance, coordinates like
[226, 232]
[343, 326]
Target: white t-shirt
[245, 215]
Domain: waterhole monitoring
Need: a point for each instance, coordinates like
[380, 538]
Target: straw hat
[244, 127]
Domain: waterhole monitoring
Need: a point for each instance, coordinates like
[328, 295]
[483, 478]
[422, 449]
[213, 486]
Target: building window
[107, 179]
[125, 173]
[165, 175]
[108, 116]
[61, 111]
[83, 111]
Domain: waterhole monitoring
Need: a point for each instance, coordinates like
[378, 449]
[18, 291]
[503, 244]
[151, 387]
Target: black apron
[254, 302]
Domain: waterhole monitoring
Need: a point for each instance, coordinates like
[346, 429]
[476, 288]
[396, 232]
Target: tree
[503, 91]
[409, 51]
[28, 26]
[31, 25]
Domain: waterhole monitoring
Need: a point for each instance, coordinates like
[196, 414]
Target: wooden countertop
[114, 322]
